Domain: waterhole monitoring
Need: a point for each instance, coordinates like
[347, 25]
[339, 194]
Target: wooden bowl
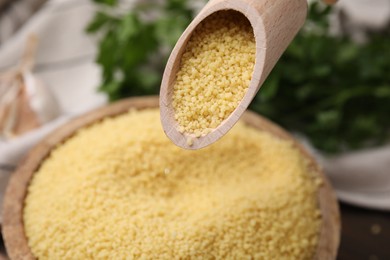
[13, 229]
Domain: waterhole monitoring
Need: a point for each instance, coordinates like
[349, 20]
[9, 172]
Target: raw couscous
[215, 71]
[117, 192]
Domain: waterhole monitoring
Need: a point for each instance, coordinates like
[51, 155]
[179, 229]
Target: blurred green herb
[134, 46]
[331, 89]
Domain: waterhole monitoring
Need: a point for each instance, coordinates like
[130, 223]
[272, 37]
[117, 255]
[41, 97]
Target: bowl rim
[13, 228]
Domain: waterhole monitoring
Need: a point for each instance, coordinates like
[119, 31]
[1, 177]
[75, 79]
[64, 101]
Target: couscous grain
[117, 192]
[215, 71]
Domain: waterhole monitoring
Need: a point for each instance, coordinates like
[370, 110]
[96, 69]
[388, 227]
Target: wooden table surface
[365, 234]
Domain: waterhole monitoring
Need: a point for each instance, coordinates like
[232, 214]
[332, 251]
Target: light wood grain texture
[13, 230]
[274, 23]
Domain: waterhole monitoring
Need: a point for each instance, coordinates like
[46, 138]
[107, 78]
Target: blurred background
[331, 88]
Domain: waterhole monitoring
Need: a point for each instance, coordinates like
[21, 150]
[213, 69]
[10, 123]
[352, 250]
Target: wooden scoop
[274, 23]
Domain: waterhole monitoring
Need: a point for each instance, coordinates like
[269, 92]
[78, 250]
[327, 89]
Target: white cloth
[360, 18]
[14, 13]
[64, 61]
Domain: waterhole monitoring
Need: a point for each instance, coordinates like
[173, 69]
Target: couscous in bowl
[14, 228]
